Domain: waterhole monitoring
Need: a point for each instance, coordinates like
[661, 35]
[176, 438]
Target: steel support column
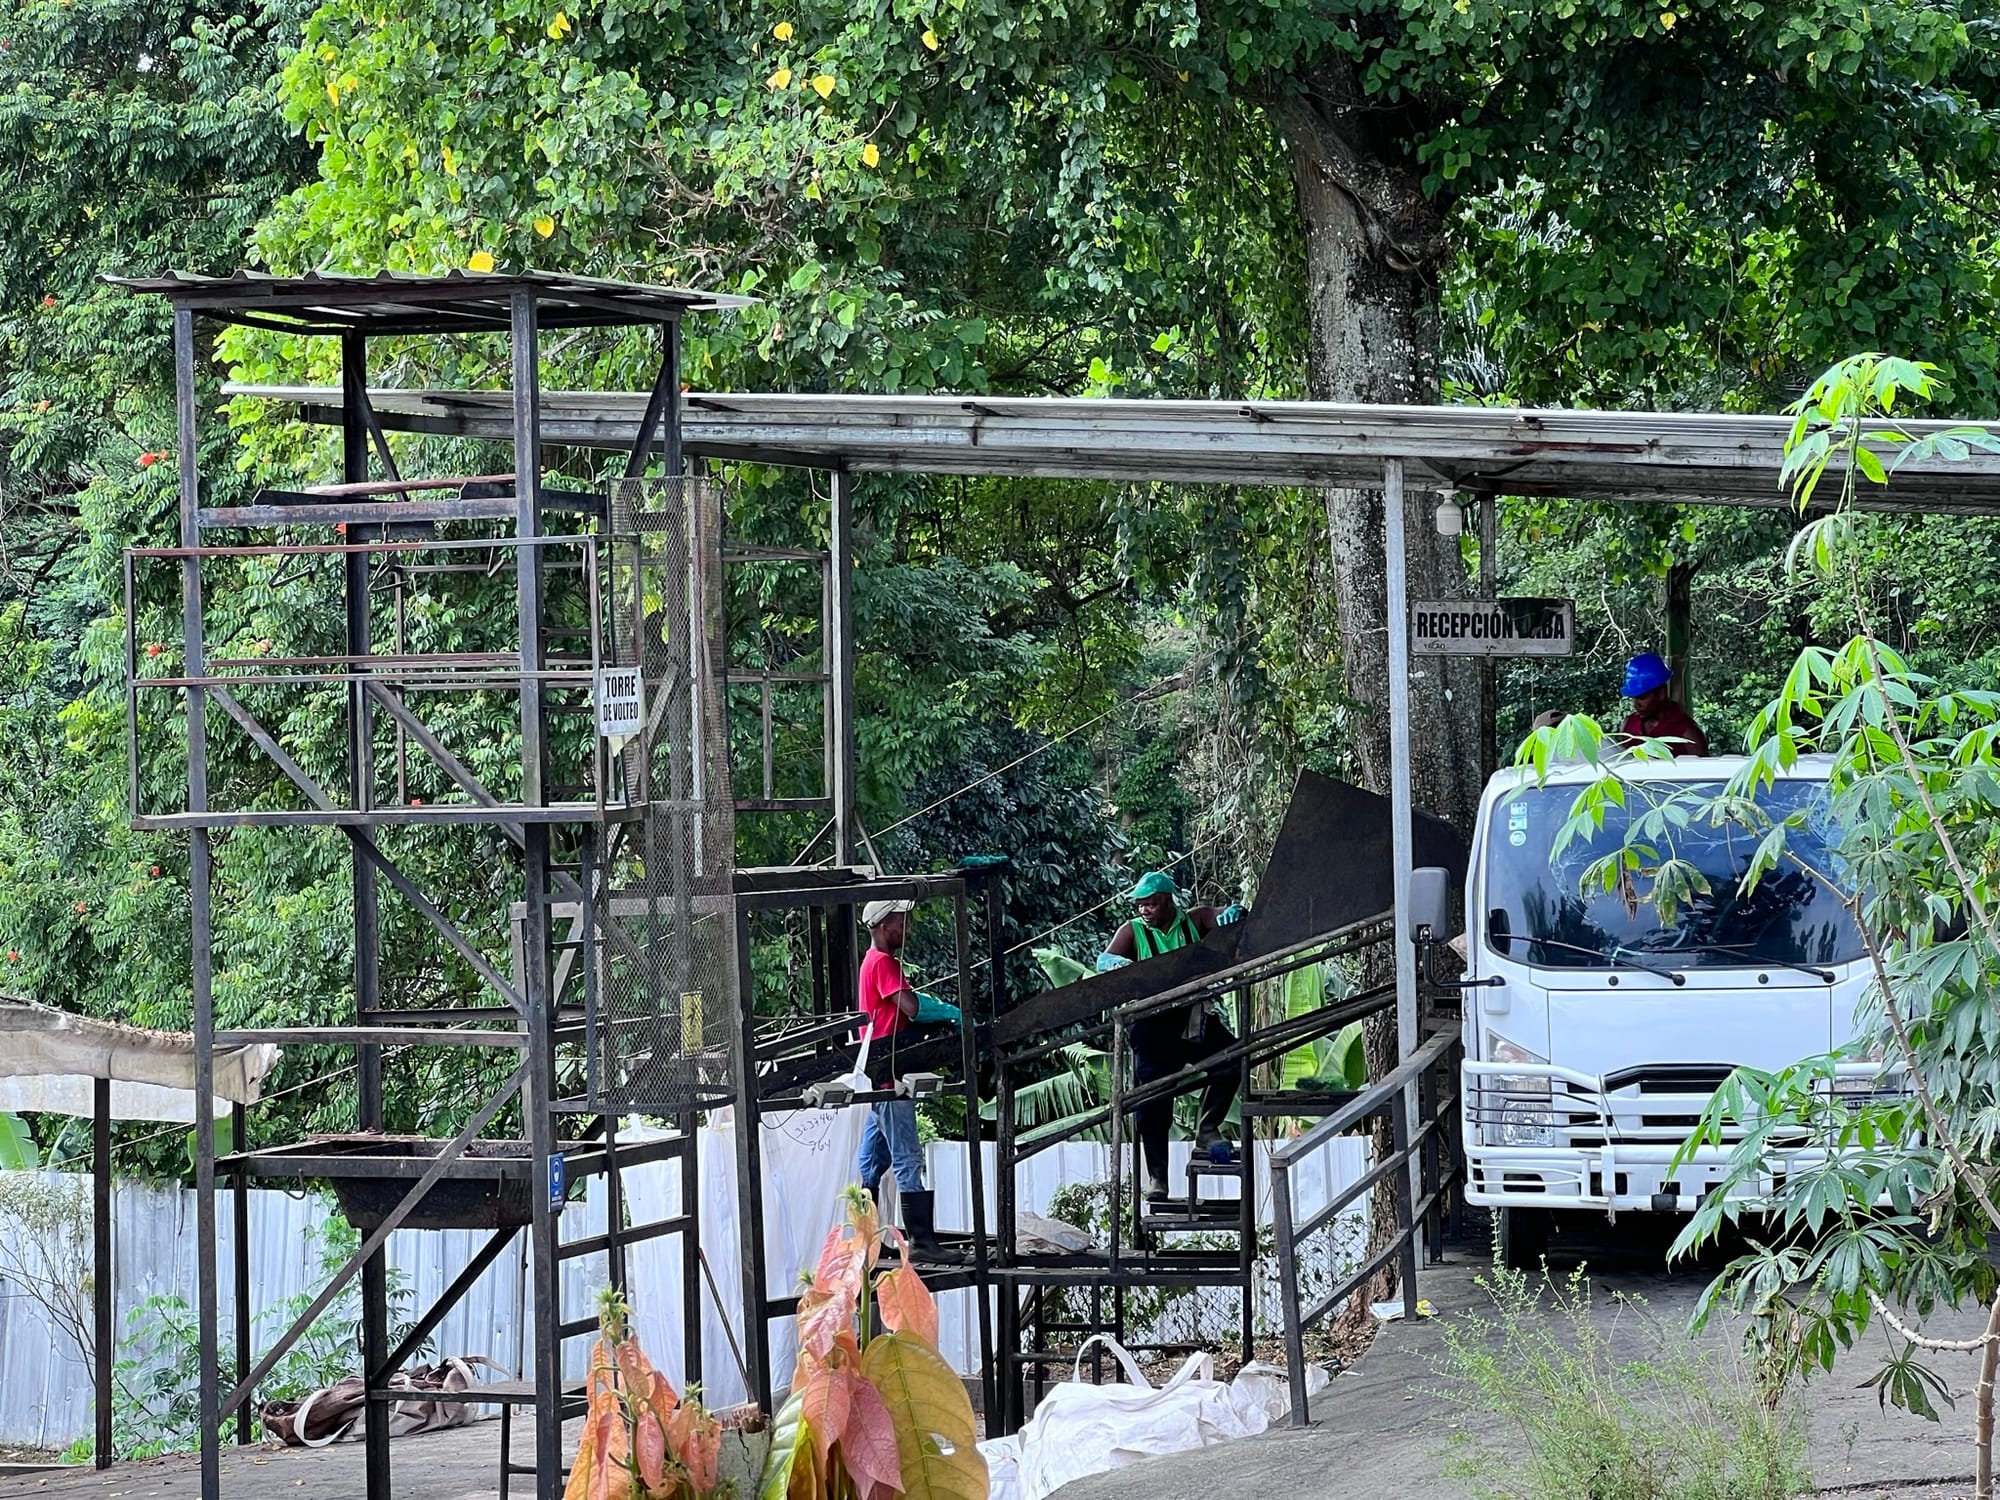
[354, 438]
[839, 647]
[750, 1178]
[102, 1333]
[201, 883]
[1489, 666]
[1401, 835]
[538, 1093]
[239, 1198]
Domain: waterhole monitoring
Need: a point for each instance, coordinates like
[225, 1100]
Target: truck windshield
[1533, 894]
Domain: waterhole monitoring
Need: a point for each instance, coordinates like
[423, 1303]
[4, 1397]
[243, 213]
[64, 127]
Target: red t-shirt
[881, 978]
[1670, 721]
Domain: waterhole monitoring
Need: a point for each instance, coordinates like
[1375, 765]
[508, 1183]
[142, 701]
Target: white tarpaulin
[809, 1159]
[50, 1058]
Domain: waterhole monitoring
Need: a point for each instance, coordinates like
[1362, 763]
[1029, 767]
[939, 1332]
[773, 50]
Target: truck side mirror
[1430, 904]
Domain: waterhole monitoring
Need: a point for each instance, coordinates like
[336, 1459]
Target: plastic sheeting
[809, 1158]
[50, 1059]
[1080, 1429]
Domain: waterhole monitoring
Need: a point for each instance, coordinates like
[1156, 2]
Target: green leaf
[791, 1446]
[935, 1436]
[17, 1146]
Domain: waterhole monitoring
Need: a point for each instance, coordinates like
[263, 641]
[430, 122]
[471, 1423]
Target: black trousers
[1161, 1048]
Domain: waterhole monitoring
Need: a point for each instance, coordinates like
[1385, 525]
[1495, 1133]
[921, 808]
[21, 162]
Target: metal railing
[1432, 1073]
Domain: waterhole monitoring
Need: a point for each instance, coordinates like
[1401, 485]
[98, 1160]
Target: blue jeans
[890, 1140]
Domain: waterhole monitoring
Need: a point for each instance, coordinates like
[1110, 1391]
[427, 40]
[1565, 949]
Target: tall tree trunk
[1375, 247]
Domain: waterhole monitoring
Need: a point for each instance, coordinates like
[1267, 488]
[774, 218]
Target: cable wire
[1159, 690]
[311, 1083]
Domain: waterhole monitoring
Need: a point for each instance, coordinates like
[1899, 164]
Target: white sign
[1493, 627]
[621, 702]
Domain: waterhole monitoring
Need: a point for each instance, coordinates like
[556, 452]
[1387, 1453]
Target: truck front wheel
[1521, 1238]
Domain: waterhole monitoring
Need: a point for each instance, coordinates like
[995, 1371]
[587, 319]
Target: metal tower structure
[578, 722]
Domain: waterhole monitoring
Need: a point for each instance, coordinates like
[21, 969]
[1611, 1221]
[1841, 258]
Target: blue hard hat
[1645, 672]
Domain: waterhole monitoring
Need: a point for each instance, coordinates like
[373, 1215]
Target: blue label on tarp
[558, 1184]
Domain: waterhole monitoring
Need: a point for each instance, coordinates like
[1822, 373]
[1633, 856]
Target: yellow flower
[545, 226]
[870, 157]
[559, 27]
[482, 261]
[782, 31]
[930, 39]
[822, 85]
[1667, 19]
[779, 80]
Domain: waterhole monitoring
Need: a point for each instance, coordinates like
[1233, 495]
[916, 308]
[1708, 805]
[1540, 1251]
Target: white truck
[1595, 1034]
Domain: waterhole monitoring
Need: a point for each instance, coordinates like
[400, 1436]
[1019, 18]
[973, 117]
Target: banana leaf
[1059, 968]
[17, 1146]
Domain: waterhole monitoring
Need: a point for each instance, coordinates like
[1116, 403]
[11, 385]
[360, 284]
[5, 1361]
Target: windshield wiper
[1824, 976]
[1615, 954]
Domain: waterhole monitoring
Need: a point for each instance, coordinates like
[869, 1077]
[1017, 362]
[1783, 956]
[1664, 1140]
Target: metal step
[1210, 1213]
[1201, 1166]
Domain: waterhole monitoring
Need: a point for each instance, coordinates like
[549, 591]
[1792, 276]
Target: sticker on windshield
[1517, 823]
[1518, 837]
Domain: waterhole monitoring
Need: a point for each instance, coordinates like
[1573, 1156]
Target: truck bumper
[1539, 1136]
[1612, 1178]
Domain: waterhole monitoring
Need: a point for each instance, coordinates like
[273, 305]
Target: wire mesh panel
[661, 931]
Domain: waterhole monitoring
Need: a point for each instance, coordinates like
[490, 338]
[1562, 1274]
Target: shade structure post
[1401, 793]
[840, 666]
[101, 1267]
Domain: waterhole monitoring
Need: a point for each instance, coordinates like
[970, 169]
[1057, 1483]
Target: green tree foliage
[1871, 1167]
[132, 137]
[1114, 200]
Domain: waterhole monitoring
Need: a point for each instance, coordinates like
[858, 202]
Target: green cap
[1157, 883]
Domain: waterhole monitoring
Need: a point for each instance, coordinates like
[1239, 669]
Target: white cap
[875, 913]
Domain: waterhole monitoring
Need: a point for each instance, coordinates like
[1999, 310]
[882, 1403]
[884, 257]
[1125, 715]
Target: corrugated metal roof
[399, 302]
[1603, 455]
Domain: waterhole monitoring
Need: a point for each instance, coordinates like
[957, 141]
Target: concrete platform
[1382, 1429]
[462, 1463]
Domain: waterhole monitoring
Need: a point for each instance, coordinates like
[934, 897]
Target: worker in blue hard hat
[1655, 715]
[1167, 1041]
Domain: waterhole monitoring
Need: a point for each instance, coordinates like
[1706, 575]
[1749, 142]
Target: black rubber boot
[919, 1225]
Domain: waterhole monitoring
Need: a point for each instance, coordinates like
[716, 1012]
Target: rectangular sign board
[1493, 627]
[621, 702]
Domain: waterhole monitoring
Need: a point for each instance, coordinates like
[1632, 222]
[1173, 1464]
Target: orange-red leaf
[600, 1472]
[907, 1304]
[661, 1397]
[650, 1448]
[634, 1367]
[601, 1366]
[868, 1445]
[834, 1257]
[825, 1403]
[822, 1322]
[867, 1221]
[695, 1440]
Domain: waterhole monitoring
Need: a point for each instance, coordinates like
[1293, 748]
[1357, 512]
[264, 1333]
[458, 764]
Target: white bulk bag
[1081, 1429]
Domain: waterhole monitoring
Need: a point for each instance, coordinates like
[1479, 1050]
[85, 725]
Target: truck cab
[1595, 1033]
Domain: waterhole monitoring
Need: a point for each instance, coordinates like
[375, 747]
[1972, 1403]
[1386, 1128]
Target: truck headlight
[1524, 1112]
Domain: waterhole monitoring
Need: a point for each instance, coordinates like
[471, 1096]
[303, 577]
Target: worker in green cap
[1167, 1041]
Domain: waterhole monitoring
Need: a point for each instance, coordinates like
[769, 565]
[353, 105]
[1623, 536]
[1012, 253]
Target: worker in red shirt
[1655, 716]
[889, 1141]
